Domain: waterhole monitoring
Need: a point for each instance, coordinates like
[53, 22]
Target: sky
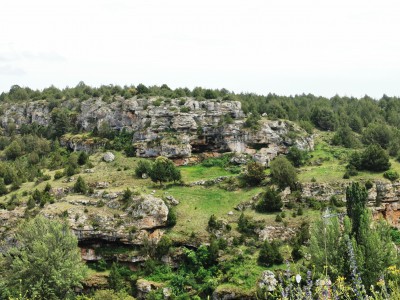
[287, 47]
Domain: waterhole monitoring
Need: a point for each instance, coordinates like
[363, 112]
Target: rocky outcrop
[92, 219]
[82, 143]
[175, 128]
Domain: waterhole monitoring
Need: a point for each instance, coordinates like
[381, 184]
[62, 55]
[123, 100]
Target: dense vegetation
[344, 254]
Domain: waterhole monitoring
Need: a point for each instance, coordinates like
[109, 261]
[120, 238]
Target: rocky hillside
[175, 128]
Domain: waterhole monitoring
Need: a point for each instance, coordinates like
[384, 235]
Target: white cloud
[286, 47]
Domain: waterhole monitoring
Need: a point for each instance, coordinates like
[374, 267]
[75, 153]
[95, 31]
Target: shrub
[278, 218]
[58, 175]
[297, 157]
[369, 185]
[283, 173]
[269, 254]
[80, 186]
[374, 158]
[253, 174]
[391, 175]
[271, 201]
[246, 224]
[143, 167]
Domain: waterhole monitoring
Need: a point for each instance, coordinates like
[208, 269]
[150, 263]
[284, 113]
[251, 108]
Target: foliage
[345, 137]
[391, 175]
[164, 170]
[246, 224]
[373, 158]
[377, 134]
[271, 201]
[269, 254]
[80, 186]
[254, 173]
[283, 173]
[46, 262]
[356, 201]
[143, 167]
[297, 157]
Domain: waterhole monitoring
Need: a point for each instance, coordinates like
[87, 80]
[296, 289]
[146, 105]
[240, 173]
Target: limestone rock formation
[175, 128]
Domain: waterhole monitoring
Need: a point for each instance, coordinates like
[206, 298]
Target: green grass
[199, 172]
[198, 203]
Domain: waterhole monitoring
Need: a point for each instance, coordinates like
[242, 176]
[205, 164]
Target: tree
[283, 173]
[80, 186]
[356, 201]
[324, 118]
[254, 173]
[296, 156]
[164, 170]
[83, 158]
[45, 263]
[269, 254]
[271, 201]
[344, 136]
[374, 158]
[115, 279]
[143, 167]
[377, 133]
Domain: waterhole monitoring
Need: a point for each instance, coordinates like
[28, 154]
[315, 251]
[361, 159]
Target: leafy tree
[283, 173]
[271, 201]
[377, 133]
[246, 224]
[164, 170]
[374, 158]
[115, 279]
[254, 173]
[324, 118]
[344, 136]
[269, 254]
[375, 250]
[143, 167]
[45, 263]
[13, 151]
[80, 186]
[296, 156]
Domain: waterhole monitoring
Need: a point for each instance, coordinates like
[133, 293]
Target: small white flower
[298, 278]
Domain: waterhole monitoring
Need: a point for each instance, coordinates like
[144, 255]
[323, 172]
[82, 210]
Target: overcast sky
[345, 47]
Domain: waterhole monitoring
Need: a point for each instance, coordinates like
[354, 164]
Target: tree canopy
[45, 263]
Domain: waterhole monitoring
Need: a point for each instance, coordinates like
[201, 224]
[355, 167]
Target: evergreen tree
[283, 173]
[164, 170]
[80, 186]
[271, 201]
[269, 254]
[356, 201]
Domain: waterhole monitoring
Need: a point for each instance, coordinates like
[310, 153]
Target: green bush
[143, 167]
[271, 201]
[269, 254]
[391, 175]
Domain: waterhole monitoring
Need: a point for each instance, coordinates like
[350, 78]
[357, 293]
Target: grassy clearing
[199, 172]
[198, 203]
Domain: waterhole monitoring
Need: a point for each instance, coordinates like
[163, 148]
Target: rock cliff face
[383, 197]
[103, 220]
[175, 128]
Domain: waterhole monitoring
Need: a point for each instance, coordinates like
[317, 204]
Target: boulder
[108, 157]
